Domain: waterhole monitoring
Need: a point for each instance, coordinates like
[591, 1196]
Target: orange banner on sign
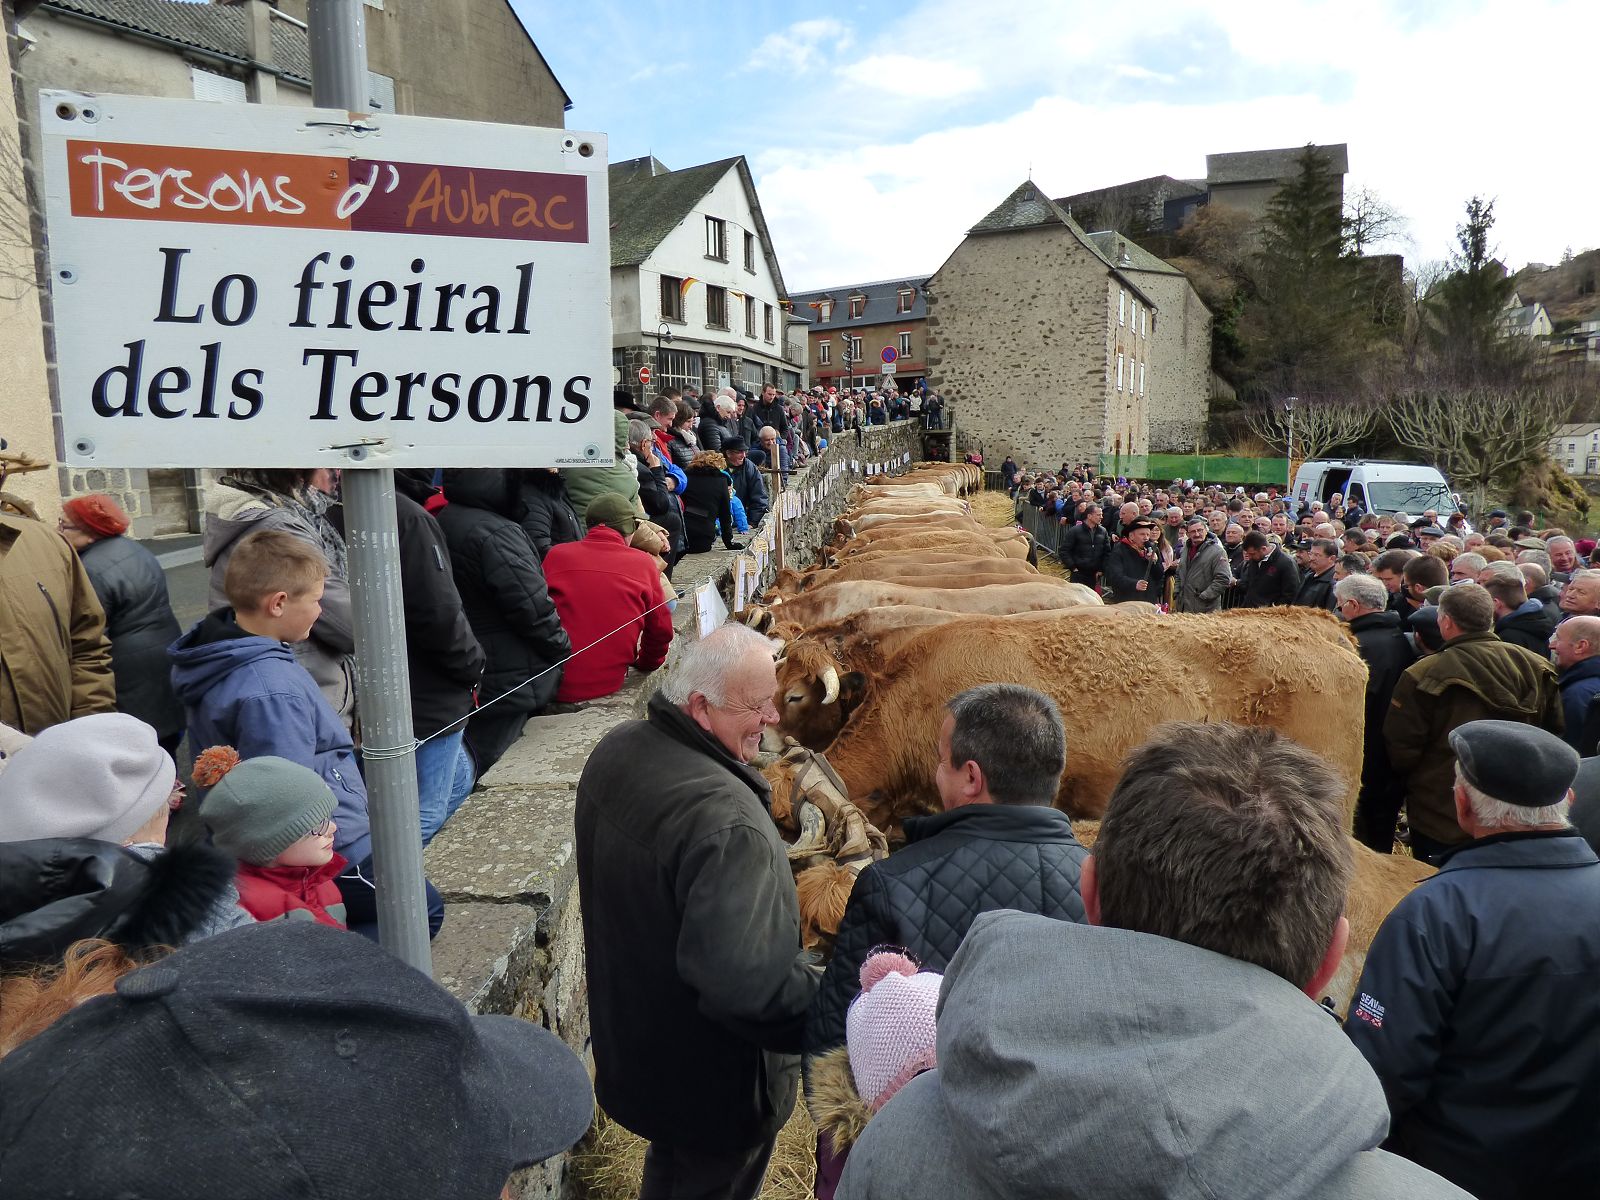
[191, 184]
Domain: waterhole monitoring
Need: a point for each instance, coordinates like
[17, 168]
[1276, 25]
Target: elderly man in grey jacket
[1203, 572]
[1171, 1047]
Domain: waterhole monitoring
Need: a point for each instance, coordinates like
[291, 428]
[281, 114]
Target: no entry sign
[644, 374]
[258, 285]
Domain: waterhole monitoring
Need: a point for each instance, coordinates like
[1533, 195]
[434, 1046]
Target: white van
[1396, 488]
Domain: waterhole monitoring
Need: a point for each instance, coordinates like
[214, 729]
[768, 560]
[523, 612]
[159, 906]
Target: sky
[879, 133]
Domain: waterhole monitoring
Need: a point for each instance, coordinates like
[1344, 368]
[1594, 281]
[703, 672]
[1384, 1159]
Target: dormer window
[858, 305]
[903, 303]
[826, 310]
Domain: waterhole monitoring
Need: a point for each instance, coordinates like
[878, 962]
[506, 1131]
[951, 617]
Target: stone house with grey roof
[852, 326]
[1248, 179]
[1052, 344]
[697, 295]
[463, 59]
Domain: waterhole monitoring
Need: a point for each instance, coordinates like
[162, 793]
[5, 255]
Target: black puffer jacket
[547, 515]
[139, 623]
[442, 653]
[503, 592]
[923, 897]
[705, 503]
[58, 891]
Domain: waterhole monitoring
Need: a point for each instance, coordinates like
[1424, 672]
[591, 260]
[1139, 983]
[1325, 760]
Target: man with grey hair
[999, 843]
[1477, 1004]
[1380, 635]
[1467, 567]
[698, 985]
[1581, 595]
[1564, 560]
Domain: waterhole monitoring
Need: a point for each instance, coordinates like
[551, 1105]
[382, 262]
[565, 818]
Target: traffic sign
[256, 285]
[889, 355]
[644, 375]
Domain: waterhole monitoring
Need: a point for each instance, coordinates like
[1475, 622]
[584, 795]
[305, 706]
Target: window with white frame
[749, 316]
[1122, 307]
[1144, 321]
[904, 299]
[858, 305]
[1141, 379]
[855, 349]
[717, 238]
[768, 322]
[824, 352]
[750, 253]
[905, 344]
[826, 310]
[1119, 372]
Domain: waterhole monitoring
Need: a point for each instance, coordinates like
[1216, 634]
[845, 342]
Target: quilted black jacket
[923, 897]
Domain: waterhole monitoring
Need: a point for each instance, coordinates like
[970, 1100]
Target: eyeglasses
[326, 829]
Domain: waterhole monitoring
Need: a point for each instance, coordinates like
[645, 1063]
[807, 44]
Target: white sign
[264, 286]
[710, 609]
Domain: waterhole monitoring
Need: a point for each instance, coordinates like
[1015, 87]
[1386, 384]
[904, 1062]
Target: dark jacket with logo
[1475, 677]
[698, 986]
[1085, 549]
[1477, 1009]
[1273, 580]
[954, 866]
[133, 591]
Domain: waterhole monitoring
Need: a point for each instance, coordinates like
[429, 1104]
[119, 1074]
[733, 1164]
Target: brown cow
[1009, 542]
[1292, 669]
[903, 522]
[840, 599]
[920, 573]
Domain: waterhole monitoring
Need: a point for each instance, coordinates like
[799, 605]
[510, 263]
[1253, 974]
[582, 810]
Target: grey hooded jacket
[1203, 577]
[1077, 1061]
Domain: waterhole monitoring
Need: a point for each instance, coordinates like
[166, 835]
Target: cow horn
[830, 685]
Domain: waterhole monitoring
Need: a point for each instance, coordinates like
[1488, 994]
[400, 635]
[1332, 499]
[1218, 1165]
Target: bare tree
[1423, 284]
[17, 275]
[1370, 221]
[1480, 435]
[1318, 426]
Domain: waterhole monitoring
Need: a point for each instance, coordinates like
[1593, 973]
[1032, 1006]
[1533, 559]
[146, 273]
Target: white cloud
[1428, 108]
[803, 44]
[914, 78]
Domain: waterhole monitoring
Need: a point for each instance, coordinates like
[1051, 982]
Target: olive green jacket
[1475, 677]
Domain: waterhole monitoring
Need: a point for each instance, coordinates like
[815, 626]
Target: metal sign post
[383, 683]
[777, 509]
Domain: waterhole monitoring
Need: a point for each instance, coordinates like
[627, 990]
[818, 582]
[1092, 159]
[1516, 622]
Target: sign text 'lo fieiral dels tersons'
[255, 285]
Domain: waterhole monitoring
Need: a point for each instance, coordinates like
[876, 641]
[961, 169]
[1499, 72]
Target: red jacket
[602, 584]
[296, 893]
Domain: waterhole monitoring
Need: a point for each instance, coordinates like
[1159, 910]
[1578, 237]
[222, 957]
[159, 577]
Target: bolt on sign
[263, 286]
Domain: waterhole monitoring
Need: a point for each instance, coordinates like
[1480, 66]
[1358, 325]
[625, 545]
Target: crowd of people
[1010, 1012]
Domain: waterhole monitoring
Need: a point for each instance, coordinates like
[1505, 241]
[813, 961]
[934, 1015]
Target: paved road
[187, 577]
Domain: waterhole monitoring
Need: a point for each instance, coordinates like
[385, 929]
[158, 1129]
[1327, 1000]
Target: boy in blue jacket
[241, 686]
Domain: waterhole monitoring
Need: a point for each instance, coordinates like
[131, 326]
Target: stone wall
[1180, 364]
[1017, 342]
[513, 936]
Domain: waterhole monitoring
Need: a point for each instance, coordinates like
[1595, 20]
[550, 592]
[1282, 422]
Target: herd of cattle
[916, 600]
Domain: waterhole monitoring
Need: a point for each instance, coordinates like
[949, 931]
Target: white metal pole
[337, 34]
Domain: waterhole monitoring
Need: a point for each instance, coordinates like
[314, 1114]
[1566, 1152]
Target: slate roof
[883, 297]
[648, 201]
[1525, 315]
[1264, 166]
[1112, 245]
[217, 28]
[1029, 208]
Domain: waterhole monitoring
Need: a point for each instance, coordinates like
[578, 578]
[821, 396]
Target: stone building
[852, 326]
[696, 292]
[1040, 342]
[1180, 380]
[461, 59]
[1248, 179]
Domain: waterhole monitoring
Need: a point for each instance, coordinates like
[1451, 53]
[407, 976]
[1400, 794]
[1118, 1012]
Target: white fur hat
[101, 777]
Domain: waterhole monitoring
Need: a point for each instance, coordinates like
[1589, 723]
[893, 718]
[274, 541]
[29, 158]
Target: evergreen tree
[1464, 320]
[1308, 328]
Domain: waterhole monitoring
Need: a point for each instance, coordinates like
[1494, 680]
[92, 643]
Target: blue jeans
[444, 780]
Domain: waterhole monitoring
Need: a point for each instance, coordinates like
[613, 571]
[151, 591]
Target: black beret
[1425, 624]
[733, 445]
[1515, 763]
[1497, 512]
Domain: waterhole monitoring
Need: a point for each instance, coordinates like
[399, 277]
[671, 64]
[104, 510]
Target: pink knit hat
[890, 1027]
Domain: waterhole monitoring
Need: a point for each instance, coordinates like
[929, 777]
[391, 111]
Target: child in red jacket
[276, 818]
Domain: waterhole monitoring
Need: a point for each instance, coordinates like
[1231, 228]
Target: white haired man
[1477, 1004]
[698, 986]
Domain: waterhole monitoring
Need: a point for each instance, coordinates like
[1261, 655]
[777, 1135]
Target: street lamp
[1288, 464]
[663, 334]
